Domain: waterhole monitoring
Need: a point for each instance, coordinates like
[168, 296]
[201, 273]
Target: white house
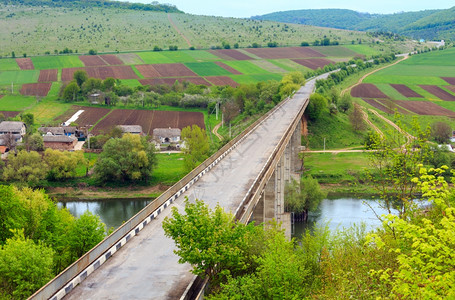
[167, 135]
[13, 127]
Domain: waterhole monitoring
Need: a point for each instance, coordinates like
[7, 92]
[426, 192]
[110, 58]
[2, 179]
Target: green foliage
[303, 196]
[24, 266]
[63, 165]
[25, 167]
[130, 158]
[441, 132]
[80, 76]
[317, 105]
[196, 147]
[71, 91]
[86, 232]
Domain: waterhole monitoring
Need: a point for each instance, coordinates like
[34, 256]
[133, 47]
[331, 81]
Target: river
[339, 212]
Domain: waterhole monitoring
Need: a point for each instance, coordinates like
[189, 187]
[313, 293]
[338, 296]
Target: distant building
[59, 142]
[13, 127]
[167, 135]
[133, 129]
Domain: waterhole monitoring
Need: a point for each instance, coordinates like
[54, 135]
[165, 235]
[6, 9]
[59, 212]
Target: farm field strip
[337, 51]
[154, 58]
[207, 69]
[450, 88]
[92, 60]
[173, 70]
[367, 90]
[246, 67]
[16, 102]
[251, 79]
[48, 75]
[230, 54]
[406, 91]
[222, 80]
[56, 62]
[228, 68]
[111, 59]
[425, 108]
[289, 52]
[268, 66]
[8, 64]
[450, 80]
[387, 106]
[148, 71]
[36, 89]
[117, 72]
[172, 80]
[18, 77]
[130, 58]
[314, 63]
[438, 92]
[9, 114]
[25, 63]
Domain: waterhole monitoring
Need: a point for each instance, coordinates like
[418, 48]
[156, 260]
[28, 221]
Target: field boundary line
[178, 30]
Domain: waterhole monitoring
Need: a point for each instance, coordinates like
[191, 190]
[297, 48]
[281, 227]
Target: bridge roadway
[146, 267]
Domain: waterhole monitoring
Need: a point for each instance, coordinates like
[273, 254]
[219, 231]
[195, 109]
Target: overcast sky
[248, 8]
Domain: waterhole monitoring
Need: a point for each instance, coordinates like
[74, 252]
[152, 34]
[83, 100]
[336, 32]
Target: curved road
[146, 267]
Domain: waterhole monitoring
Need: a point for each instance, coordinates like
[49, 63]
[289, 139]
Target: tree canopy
[196, 146]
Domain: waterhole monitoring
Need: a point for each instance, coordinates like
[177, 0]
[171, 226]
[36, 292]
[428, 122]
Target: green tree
[92, 84]
[304, 196]
[24, 266]
[130, 158]
[26, 167]
[63, 164]
[441, 132]
[34, 142]
[196, 146]
[71, 91]
[210, 240]
[345, 103]
[108, 84]
[317, 105]
[80, 76]
[29, 120]
[87, 231]
[356, 118]
[11, 212]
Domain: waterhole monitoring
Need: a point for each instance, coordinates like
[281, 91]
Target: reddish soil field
[117, 72]
[450, 80]
[92, 60]
[148, 71]
[9, 114]
[173, 70]
[367, 90]
[48, 75]
[450, 88]
[25, 63]
[171, 81]
[406, 91]
[314, 63]
[36, 89]
[387, 106]
[150, 120]
[230, 54]
[228, 68]
[438, 92]
[111, 59]
[289, 52]
[425, 108]
[222, 80]
[1, 96]
[90, 116]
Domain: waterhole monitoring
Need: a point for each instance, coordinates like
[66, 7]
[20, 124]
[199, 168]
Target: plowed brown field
[48, 75]
[117, 72]
[150, 120]
[406, 91]
[36, 89]
[230, 54]
[438, 92]
[92, 60]
[25, 63]
[289, 52]
[148, 71]
[9, 114]
[228, 68]
[425, 108]
[173, 70]
[367, 90]
[90, 116]
[111, 59]
[450, 80]
[387, 106]
[222, 80]
[450, 88]
[314, 63]
[171, 81]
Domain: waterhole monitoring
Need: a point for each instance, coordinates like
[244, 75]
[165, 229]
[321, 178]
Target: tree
[304, 196]
[63, 165]
[356, 118]
[71, 91]
[130, 158]
[210, 240]
[230, 111]
[92, 52]
[86, 232]
[29, 120]
[196, 146]
[317, 105]
[80, 76]
[345, 103]
[92, 84]
[108, 84]
[441, 132]
[26, 167]
[11, 212]
[24, 266]
[34, 142]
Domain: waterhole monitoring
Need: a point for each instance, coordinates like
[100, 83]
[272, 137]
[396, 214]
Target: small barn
[133, 129]
[13, 127]
[167, 135]
[59, 142]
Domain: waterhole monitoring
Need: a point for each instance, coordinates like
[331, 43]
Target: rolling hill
[427, 24]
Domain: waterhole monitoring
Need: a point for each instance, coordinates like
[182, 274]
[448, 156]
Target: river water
[338, 213]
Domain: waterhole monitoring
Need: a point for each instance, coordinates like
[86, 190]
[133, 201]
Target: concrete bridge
[247, 177]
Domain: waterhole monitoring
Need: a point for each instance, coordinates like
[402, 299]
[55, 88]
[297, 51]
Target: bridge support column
[296, 140]
[259, 210]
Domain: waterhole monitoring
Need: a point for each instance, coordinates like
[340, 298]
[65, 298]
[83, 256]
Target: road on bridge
[146, 267]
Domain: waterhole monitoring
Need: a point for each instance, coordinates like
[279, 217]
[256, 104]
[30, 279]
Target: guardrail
[80, 269]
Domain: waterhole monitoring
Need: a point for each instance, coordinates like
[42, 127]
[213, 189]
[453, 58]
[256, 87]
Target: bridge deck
[146, 267]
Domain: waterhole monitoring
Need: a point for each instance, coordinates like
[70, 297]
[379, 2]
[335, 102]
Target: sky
[248, 8]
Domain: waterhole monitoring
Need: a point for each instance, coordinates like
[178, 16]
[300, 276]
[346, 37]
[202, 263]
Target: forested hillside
[427, 24]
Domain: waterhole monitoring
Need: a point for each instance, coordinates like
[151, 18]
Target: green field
[335, 51]
[200, 55]
[408, 80]
[245, 67]
[179, 56]
[154, 58]
[434, 58]
[8, 64]
[248, 79]
[56, 62]
[169, 169]
[207, 69]
[366, 50]
[18, 77]
[16, 102]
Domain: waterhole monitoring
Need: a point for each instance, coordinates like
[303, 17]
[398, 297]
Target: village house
[59, 142]
[133, 129]
[167, 135]
[13, 127]
[65, 130]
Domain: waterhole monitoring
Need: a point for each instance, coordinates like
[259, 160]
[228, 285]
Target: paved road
[146, 267]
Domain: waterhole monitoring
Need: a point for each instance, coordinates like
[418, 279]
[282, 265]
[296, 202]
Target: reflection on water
[342, 213]
[113, 212]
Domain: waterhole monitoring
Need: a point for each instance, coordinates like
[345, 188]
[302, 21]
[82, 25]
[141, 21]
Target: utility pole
[230, 133]
[217, 108]
[12, 87]
[324, 144]
[222, 120]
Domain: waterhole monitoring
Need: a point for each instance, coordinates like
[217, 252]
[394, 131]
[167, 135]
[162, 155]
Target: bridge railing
[56, 284]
